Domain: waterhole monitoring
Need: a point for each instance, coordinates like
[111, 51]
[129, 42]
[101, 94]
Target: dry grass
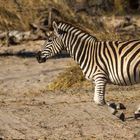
[19, 14]
[108, 34]
[71, 77]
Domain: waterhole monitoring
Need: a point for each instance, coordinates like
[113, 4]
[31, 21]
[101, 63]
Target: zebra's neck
[78, 43]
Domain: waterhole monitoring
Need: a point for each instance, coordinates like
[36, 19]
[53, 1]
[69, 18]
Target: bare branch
[50, 18]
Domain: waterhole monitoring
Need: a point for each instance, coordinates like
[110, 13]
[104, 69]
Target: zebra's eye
[50, 40]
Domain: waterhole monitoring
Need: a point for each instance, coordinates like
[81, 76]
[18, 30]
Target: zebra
[102, 62]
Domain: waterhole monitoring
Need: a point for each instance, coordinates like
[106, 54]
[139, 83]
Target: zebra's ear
[55, 27]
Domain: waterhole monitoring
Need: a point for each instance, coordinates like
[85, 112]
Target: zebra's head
[53, 44]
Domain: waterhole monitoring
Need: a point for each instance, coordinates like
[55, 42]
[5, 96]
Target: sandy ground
[29, 111]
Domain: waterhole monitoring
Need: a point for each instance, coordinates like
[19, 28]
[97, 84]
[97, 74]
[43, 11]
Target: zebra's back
[121, 61]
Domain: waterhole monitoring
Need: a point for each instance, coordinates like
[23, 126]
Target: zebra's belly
[125, 78]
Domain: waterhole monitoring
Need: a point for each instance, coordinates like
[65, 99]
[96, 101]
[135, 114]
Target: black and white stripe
[116, 62]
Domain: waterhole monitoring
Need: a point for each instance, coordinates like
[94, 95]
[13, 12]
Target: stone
[15, 37]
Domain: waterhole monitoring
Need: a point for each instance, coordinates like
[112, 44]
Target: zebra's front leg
[99, 98]
[99, 95]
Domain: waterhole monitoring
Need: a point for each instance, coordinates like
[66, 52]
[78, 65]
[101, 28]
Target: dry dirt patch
[28, 110]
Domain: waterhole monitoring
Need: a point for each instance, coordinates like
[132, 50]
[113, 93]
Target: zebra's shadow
[31, 54]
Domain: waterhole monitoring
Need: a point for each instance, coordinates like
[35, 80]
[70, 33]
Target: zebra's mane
[78, 27]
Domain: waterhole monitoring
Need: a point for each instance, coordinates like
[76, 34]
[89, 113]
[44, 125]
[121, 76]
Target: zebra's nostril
[39, 58]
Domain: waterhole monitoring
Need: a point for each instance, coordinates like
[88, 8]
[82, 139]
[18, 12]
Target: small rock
[26, 35]
[129, 28]
[2, 138]
[15, 37]
[2, 35]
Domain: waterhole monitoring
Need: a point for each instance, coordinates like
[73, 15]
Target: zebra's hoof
[121, 116]
[112, 108]
[137, 114]
[120, 106]
[112, 105]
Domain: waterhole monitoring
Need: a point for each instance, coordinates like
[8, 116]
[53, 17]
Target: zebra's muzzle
[39, 58]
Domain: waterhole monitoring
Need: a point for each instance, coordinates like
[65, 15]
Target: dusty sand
[29, 111]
